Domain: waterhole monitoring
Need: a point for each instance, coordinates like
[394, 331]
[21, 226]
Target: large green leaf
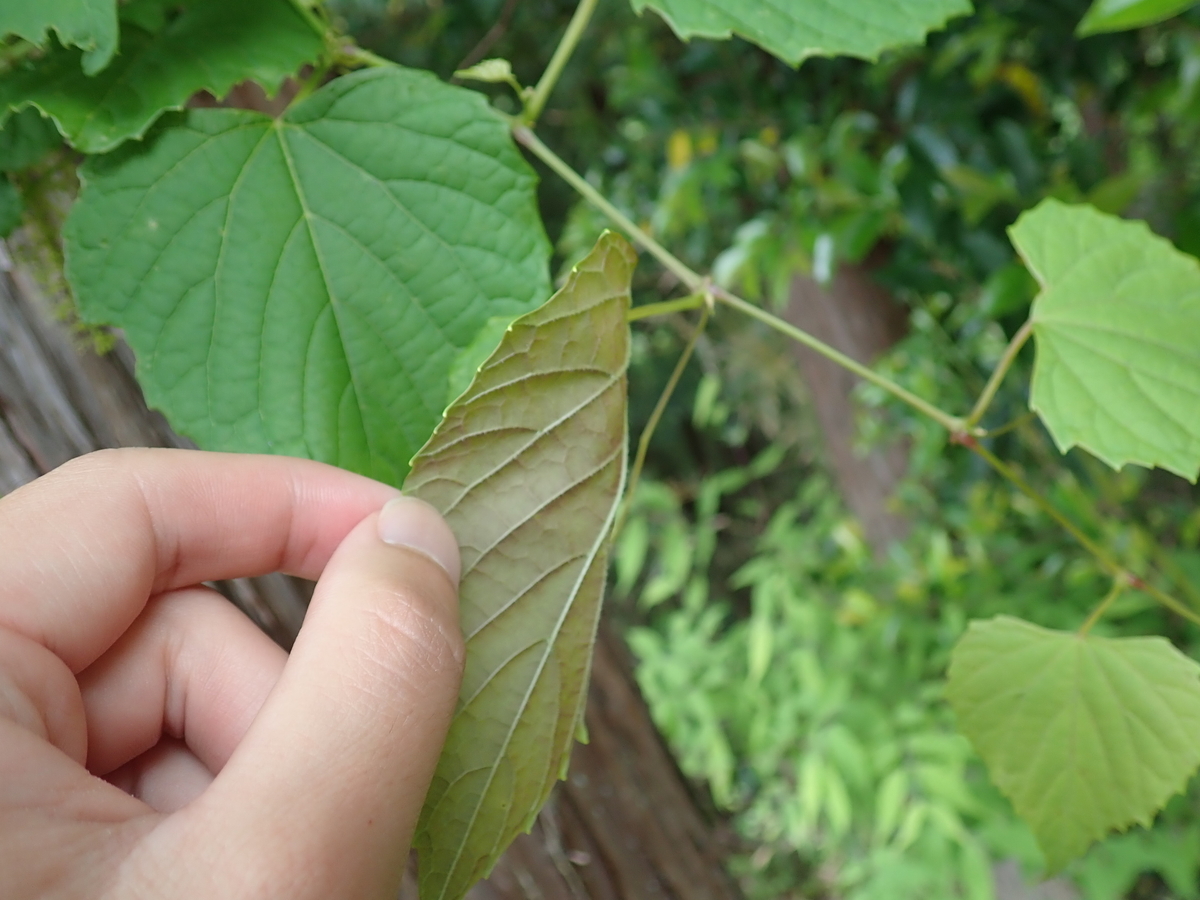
[796, 29]
[212, 46]
[1121, 15]
[1082, 734]
[527, 467]
[90, 25]
[304, 285]
[1118, 337]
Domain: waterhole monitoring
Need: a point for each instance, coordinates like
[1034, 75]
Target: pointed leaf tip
[1083, 734]
[527, 466]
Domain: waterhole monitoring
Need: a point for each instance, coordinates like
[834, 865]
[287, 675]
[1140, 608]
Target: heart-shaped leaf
[1082, 734]
[304, 285]
[796, 29]
[1118, 337]
[527, 468]
[211, 46]
[90, 25]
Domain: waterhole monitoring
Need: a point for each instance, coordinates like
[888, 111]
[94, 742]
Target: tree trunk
[858, 317]
[622, 826]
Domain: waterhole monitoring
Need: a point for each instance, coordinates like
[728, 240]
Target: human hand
[154, 743]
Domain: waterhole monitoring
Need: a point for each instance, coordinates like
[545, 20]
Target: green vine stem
[698, 284]
[666, 307]
[528, 139]
[1118, 586]
[953, 424]
[639, 458]
[1002, 367]
[1102, 556]
[1019, 422]
[562, 53]
[1106, 560]
[962, 431]
[352, 56]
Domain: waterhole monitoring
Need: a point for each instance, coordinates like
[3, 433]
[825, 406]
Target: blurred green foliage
[794, 671]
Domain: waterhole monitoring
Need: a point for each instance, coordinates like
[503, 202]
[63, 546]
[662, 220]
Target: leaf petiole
[1118, 587]
[699, 284]
[639, 459]
[562, 53]
[1106, 560]
[666, 307]
[1002, 367]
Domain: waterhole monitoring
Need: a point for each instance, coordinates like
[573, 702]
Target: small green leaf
[1122, 15]
[527, 468]
[303, 285]
[212, 46]
[796, 29]
[1117, 326]
[25, 139]
[11, 206]
[490, 70]
[90, 25]
[1083, 734]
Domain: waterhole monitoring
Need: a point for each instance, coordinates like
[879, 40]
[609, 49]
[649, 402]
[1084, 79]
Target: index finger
[83, 548]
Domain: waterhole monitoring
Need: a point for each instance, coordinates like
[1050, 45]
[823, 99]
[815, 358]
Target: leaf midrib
[551, 640]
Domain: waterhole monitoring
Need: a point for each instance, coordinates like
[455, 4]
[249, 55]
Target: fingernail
[412, 523]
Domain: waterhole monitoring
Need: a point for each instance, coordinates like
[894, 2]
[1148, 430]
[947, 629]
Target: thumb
[330, 778]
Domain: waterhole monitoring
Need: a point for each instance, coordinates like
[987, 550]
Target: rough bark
[622, 826]
[860, 318]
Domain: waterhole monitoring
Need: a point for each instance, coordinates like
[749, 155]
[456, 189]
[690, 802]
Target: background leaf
[211, 46]
[24, 139]
[11, 207]
[1118, 359]
[304, 285]
[1082, 734]
[90, 25]
[796, 29]
[1121, 15]
[527, 467]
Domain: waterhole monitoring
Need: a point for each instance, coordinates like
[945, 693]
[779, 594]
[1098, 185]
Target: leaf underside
[794, 30]
[212, 46]
[1122, 15]
[90, 25]
[1083, 734]
[527, 467]
[304, 285]
[1117, 326]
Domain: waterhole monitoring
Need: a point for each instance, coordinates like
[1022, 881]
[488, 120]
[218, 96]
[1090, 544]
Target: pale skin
[154, 743]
